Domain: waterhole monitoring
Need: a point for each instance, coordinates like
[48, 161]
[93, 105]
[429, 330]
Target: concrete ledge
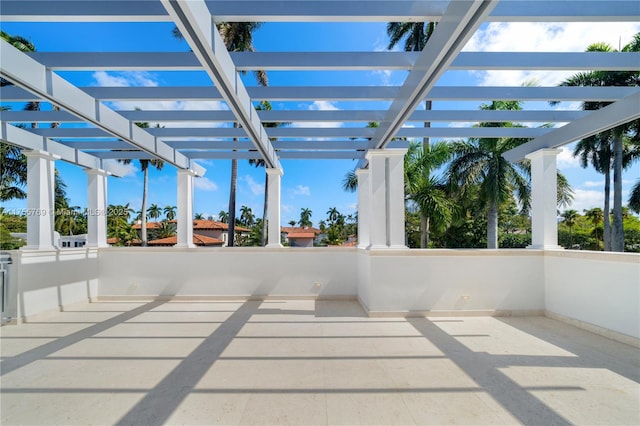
[452, 252]
[601, 331]
[595, 255]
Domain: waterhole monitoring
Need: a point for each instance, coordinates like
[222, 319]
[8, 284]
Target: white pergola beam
[337, 61]
[285, 155]
[342, 93]
[27, 140]
[195, 23]
[324, 11]
[290, 116]
[603, 119]
[18, 68]
[458, 24]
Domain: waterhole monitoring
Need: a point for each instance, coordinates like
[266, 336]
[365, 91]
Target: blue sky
[306, 184]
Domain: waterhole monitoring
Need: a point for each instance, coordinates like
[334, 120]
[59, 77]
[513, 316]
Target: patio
[308, 362]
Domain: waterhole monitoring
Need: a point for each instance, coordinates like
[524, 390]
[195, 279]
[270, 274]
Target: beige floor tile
[367, 408]
[285, 409]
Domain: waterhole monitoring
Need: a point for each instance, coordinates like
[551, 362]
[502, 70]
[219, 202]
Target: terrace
[373, 334]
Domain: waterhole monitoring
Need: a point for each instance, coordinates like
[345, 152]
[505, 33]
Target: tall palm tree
[480, 162]
[170, 212]
[199, 216]
[596, 217]
[223, 216]
[428, 193]
[246, 216]
[333, 214]
[613, 139]
[144, 167]
[154, 212]
[305, 217]
[569, 218]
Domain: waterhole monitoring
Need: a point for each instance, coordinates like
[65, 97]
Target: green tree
[428, 193]
[595, 216]
[199, 216]
[169, 212]
[480, 162]
[118, 225]
[305, 218]
[292, 223]
[634, 198]
[612, 140]
[154, 212]
[223, 216]
[13, 172]
[144, 167]
[246, 216]
[569, 218]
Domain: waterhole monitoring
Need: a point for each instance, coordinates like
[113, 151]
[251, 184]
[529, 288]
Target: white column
[544, 199]
[185, 208]
[96, 207]
[364, 206]
[40, 200]
[387, 198]
[273, 208]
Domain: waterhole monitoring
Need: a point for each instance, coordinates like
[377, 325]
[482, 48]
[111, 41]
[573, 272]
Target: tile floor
[308, 362]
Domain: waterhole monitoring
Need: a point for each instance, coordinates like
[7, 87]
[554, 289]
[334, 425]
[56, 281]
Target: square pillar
[273, 207]
[96, 207]
[544, 199]
[364, 206]
[40, 200]
[387, 198]
[184, 226]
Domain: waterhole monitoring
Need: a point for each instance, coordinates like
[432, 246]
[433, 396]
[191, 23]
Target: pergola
[380, 197]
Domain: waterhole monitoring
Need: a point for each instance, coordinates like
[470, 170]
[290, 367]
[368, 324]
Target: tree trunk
[492, 225]
[232, 203]
[424, 227]
[617, 230]
[143, 210]
[265, 209]
[424, 222]
[606, 223]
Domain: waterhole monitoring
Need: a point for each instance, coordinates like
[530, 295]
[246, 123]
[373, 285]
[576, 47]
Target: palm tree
[199, 216]
[166, 230]
[246, 216]
[223, 216]
[634, 198]
[596, 217]
[569, 218]
[305, 218]
[20, 43]
[144, 167]
[292, 223]
[170, 212]
[429, 194]
[154, 212]
[612, 140]
[264, 106]
[333, 214]
[480, 162]
[13, 172]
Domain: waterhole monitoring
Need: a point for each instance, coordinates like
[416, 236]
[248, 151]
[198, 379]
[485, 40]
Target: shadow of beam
[516, 399]
[35, 354]
[160, 402]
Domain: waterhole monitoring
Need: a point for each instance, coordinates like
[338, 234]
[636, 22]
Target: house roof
[298, 230]
[300, 235]
[150, 225]
[199, 240]
[215, 225]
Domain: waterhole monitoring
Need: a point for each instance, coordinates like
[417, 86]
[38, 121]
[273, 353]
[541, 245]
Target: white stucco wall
[600, 289]
[454, 281]
[234, 271]
[44, 281]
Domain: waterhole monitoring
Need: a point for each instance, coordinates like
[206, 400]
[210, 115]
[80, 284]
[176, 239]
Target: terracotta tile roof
[215, 225]
[150, 225]
[294, 235]
[199, 240]
[296, 230]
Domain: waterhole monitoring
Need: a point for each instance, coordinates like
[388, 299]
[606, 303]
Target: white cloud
[301, 190]
[124, 79]
[543, 37]
[319, 106]
[593, 184]
[286, 208]
[352, 207]
[566, 160]
[585, 199]
[204, 184]
[255, 187]
[119, 169]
